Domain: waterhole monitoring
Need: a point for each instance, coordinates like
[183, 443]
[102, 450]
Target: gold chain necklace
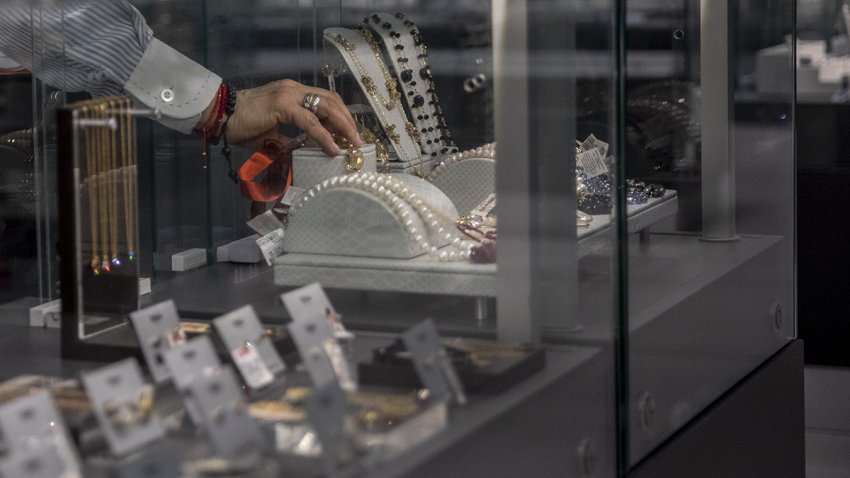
[389, 82]
[371, 88]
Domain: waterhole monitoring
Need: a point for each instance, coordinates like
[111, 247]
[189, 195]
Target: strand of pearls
[398, 197]
[487, 151]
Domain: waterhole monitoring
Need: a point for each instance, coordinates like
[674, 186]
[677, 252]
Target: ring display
[311, 101]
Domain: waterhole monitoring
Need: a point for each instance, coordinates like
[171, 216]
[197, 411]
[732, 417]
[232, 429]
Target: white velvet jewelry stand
[467, 182]
[422, 274]
[408, 157]
[417, 86]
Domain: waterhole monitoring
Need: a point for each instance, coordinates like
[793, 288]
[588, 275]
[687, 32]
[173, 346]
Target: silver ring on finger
[311, 102]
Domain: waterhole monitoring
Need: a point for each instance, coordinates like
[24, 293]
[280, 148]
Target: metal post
[515, 322]
[718, 161]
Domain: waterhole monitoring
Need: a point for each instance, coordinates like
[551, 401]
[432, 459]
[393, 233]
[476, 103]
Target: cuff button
[167, 95]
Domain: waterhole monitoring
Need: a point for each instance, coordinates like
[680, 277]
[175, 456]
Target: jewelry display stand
[408, 57]
[425, 275]
[350, 222]
[369, 71]
[466, 182]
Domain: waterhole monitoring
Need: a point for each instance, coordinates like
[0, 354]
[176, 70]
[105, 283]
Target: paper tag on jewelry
[291, 195]
[265, 223]
[486, 206]
[594, 142]
[593, 162]
[339, 364]
[175, 337]
[251, 366]
[271, 245]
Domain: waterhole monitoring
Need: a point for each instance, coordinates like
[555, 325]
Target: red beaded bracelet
[213, 122]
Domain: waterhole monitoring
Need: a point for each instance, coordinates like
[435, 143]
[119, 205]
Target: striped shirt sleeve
[75, 45]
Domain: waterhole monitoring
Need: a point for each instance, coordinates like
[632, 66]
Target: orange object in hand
[276, 160]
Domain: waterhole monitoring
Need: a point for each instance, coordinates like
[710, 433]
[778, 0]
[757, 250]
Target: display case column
[510, 86]
[718, 162]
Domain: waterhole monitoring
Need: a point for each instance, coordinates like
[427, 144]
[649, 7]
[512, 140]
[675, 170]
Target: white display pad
[425, 275]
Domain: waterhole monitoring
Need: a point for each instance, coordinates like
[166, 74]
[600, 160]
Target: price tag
[251, 366]
[265, 223]
[594, 142]
[291, 195]
[243, 334]
[593, 162]
[486, 206]
[271, 245]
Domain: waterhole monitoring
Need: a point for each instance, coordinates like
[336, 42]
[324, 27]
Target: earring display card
[190, 361]
[230, 429]
[321, 353]
[328, 411]
[46, 460]
[123, 406]
[432, 364]
[251, 349]
[307, 301]
[36, 440]
[158, 329]
[311, 300]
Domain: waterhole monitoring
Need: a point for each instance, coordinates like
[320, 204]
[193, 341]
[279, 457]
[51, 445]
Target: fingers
[310, 124]
[332, 109]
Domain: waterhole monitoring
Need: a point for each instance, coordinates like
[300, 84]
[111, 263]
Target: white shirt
[105, 47]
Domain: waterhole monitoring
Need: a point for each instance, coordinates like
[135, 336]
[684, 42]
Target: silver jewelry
[311, 102]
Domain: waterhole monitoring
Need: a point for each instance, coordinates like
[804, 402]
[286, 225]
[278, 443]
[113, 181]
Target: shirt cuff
[174, 86]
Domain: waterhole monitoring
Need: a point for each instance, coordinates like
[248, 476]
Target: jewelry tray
[351, 222]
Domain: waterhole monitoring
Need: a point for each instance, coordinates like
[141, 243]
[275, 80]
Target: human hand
[260, 110]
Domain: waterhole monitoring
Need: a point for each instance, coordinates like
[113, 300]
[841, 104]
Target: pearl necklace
[487, 151]
[398, 197]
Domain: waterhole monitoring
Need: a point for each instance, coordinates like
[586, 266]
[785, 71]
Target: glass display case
[645, 184]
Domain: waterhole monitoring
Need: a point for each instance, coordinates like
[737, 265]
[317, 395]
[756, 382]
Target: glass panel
[710, 119]
[536, 77]
[29, 270]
